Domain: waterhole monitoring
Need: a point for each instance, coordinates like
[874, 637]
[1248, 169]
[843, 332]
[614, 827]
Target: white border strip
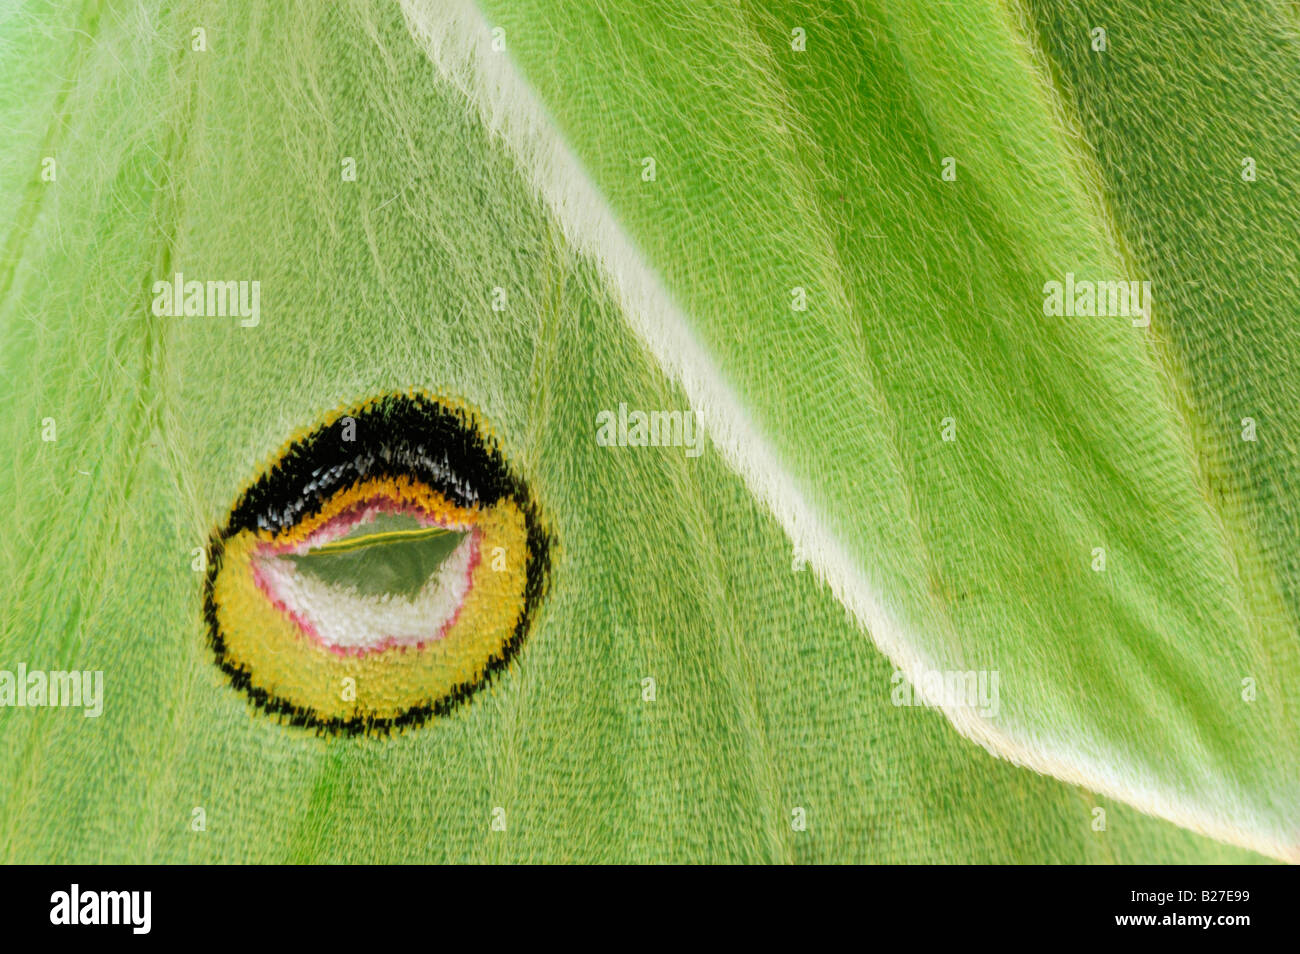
[457, 39]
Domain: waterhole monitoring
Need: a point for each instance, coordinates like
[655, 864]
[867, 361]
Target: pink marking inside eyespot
[271, 576]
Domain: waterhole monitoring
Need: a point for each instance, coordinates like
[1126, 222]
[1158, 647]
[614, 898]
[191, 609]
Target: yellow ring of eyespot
[287, 664]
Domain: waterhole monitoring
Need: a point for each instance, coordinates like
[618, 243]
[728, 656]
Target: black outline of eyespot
[402, 434]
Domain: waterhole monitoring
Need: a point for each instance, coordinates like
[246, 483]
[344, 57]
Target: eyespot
[382, 569]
